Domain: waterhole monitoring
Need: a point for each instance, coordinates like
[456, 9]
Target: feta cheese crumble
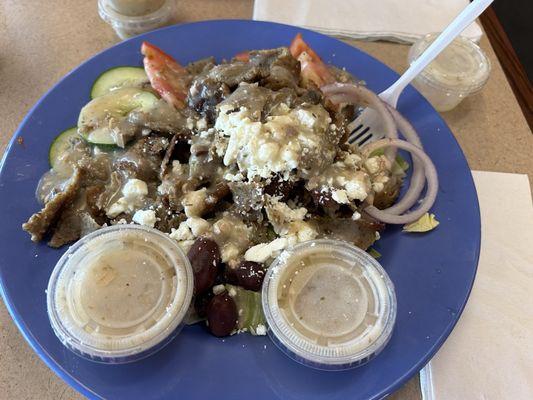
[263, 251]
[232, 236]
[345, 179]
[134, 192]
[289, 223]
[217, 289]
[198, 225]
[287, 140]
[194, 202]
[260, 330]
[182, 233]
[145, 217]
[135, 188]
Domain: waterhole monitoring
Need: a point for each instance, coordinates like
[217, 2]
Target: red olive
[222, 315]
[204, 256]
[247, 274]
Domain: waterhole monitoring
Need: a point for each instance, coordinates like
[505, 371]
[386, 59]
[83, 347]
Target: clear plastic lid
[462, 67]
[120, 293]
[133, 17]
[328, 304]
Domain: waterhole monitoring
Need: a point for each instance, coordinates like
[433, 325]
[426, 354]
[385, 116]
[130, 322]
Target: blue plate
[433, 273]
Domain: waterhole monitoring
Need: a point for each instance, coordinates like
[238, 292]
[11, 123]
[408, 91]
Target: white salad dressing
[460, 70]
[119, 292]
[342, 304]
[133, 17]
[329, 304]
[136, 7]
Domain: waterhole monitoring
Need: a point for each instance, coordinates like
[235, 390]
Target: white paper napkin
[489, 355]
[395, 20]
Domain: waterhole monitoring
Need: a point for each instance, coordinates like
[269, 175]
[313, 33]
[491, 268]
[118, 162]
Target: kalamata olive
[222, 315]
[201, 302]
[279, 187]
[247, 274]
[204, 256]
[221, 275]
[323, 198]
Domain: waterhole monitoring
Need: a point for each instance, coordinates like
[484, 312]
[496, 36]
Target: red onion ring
[350, 93]
[416, 185]
[431, 177]
[405, 127]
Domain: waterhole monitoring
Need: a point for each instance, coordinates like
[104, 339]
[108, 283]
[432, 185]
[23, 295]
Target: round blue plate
[433, 272]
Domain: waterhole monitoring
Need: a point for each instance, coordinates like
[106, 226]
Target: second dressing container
[329, 305]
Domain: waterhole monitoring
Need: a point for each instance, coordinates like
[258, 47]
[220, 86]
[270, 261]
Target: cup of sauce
[133, 17]
[328, 304]
[461, 70]
[120, 294]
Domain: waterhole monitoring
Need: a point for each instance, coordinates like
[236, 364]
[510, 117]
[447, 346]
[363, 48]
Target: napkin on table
[489, 354]
[394, 20]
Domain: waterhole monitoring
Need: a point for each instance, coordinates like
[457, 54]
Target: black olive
[222, 315]
[204, 256]
[247, 274]
[201, 302]
[279, 187]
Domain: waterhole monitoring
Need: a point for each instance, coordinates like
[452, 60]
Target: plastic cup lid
[146, 21]
[328, 304]
[119, 291]
[461, 67]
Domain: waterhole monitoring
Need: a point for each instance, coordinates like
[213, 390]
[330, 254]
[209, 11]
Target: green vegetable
[374, 253]
[400, 165]
[100, 136]
[425, 223]
[271, 233]
[96, 116]
[118, 77]
[249, 308]
[60, 144]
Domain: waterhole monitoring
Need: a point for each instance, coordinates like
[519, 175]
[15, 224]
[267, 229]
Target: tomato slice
[298, 46]
[242, 56]
[166, 76]
[312, 67]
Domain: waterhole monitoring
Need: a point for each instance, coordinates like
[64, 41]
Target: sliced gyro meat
[41, 222]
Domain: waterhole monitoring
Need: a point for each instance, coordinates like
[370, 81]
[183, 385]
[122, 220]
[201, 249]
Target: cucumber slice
[98, 117]
[101, 137]
[249, 302]
[60, 144]
[118, 77]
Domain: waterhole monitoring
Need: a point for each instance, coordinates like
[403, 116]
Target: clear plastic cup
[130, 18]
[460, 70]
[328, 304]
[120, 294]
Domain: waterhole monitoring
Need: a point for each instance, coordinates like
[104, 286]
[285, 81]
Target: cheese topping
[345, 180]
[134, 192]
[287, 140]
[145, 217]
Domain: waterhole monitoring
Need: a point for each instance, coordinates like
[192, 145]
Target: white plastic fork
[367, 127]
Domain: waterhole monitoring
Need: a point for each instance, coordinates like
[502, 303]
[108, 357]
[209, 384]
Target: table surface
[41, 40]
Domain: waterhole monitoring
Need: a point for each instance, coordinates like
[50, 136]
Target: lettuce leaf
[425, 223]
[400, 165]
[374, 253]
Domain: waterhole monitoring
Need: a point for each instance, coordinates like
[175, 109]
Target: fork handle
[465, 18]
